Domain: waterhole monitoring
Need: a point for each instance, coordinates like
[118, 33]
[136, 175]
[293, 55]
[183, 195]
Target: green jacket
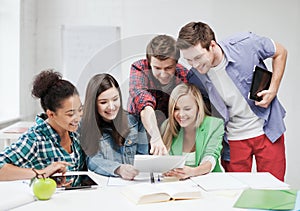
[209, 138]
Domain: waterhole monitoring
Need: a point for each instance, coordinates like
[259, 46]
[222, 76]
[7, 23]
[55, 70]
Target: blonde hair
[171, 126]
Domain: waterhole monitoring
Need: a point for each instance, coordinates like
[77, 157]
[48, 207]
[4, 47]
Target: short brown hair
[162, 47]
[194, 33]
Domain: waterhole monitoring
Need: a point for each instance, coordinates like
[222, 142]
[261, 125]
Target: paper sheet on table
[156, 163]
[218, 181]
[142, 177]
[260, 180]
[14, 194]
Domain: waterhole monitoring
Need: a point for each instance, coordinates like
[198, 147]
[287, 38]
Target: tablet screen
[70, 182]
[261, 81]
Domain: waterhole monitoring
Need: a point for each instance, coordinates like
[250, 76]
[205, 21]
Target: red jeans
[270, 157]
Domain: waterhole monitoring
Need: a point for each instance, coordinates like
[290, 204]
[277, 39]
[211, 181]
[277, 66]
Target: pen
[158, 178]
[77, 187]
[152, 177]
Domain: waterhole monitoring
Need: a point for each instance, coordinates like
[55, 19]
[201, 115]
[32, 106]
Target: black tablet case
[261, 81]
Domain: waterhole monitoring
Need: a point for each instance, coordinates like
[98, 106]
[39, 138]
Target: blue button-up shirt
[243, 51]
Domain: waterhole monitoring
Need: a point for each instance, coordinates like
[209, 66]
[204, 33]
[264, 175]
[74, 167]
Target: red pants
[270, 157]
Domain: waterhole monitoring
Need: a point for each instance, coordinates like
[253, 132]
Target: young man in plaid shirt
[151, 82]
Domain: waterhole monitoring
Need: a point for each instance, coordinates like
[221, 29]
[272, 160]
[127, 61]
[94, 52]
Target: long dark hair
[93, 125]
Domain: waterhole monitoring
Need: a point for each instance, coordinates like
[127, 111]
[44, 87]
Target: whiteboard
[80, 44]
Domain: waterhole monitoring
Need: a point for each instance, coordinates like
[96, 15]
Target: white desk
[11, 137]
[110, 197]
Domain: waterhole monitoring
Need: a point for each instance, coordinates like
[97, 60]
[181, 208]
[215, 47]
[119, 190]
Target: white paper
[238, 180]
[260, 180]
[143, 177]
[218, 181]
[156, 163]
[14, 194]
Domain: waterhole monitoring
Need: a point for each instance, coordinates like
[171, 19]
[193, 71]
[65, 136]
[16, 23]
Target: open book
[160, 192]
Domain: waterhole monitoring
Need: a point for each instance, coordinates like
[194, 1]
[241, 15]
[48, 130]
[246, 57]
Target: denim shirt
[110, 156]
[243, 51]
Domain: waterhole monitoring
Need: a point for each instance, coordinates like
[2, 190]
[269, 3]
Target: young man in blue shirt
[223, 72]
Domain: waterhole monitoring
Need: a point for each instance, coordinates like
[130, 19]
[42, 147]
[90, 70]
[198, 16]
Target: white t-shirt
[243, 123]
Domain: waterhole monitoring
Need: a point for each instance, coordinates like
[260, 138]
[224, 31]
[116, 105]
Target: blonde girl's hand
[181, 173]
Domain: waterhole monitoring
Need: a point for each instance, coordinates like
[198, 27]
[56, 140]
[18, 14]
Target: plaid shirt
[145, 90]
[40, 146]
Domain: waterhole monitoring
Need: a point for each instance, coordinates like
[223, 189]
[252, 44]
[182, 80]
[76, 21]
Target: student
[151, 82]
[224, 71]
[109, 135]
[191, 132]
[51, 145]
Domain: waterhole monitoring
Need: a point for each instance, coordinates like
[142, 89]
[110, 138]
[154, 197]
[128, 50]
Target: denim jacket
[110, 156]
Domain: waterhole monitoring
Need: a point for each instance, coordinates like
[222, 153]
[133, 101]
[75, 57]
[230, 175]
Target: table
[16, 130]
[110, 197]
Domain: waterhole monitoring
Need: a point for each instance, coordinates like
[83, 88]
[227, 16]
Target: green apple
[43, 188]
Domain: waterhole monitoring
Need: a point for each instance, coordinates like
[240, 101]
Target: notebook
[267, 199]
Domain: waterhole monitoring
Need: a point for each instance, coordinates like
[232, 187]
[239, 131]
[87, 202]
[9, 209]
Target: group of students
[203, 113]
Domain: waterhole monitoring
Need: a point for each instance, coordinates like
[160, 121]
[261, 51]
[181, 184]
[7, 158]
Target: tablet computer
[72, 182]
[261, 81]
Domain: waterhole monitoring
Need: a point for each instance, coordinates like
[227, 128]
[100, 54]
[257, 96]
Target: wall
[140, 20]
[27, 58]
[9, 57]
